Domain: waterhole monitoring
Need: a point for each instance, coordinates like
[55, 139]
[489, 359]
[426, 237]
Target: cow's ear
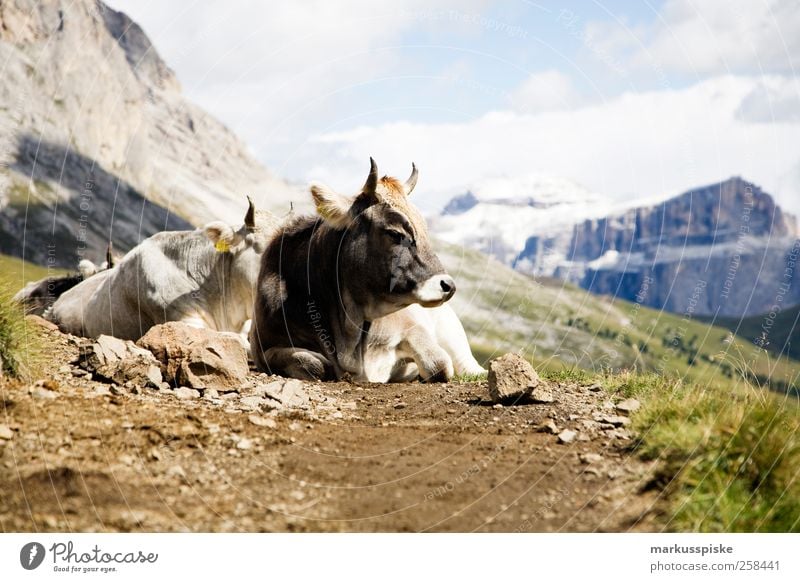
[221, 234]
[334, 208]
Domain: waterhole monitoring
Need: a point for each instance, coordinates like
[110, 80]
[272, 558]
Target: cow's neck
[351, 327]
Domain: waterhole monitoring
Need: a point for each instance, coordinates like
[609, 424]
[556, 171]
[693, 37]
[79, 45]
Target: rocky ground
[81, 453]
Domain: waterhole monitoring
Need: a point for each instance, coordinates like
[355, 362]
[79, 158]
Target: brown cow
[324, 280]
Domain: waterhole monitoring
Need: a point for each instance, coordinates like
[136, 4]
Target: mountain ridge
[85, 92]
[730, 235]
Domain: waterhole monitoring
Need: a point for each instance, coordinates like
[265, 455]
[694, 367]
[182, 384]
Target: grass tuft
[19, 342]
[729, 460]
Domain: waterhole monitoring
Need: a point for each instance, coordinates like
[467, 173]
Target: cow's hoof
[307, 366]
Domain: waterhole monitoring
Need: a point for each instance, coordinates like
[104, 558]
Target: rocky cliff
[99, 144]
[723, 249]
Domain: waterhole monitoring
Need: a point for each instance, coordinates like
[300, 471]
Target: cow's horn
[372, 180]
[412, 180]
[110, 255]
[250, 217]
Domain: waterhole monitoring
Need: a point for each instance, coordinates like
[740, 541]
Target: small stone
[629, 405]
[244, 444]
[595, 387]
[43, 394]
[548, 426]
[399, 405]
[65, 369]
[542, 394]
[184, 393]
[567, 436]
[126, 459]
[176, 471]
[591, 458]
[5, 432]
[295, 426]
[511, 377]
[254, 402]
[616, 421]
[498, 406]
[259, 420]
[337, 414]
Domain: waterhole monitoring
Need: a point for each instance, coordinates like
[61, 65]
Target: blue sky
[631, 99]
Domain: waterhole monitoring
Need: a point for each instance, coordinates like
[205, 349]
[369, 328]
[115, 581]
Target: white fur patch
[430, 293]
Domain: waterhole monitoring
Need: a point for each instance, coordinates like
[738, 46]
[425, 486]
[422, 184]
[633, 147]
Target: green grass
[19, 343]
[779, 333]
[15, 272]
[728, 459]
[466, 378]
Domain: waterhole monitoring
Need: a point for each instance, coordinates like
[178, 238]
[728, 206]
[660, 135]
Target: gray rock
[511, 377]
[197, 358]
[262, 421]
[615, 421]
[252, 402]
[591, 458]
[121, 361]
[548, 426]
[629, 405]
[566, 436]
[290, 393]
[43, 394]
[186, 393]
[542, 394]
[6, 433]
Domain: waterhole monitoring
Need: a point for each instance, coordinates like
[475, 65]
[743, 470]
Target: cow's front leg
[298, 363]
[433, 362]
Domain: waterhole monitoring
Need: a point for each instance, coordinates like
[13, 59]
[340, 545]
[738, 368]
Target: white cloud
[262, 65]
[709, 37]
[545, 91]
[633, 146]
[772, 99]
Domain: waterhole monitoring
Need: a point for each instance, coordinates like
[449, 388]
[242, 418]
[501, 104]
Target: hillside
[98, 142]
[559, 325]
[779, 333]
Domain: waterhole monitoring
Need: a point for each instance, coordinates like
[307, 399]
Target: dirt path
[408, 457]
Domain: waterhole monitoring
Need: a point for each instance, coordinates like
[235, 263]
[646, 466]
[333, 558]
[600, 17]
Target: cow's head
[385, 255]
[253, 235]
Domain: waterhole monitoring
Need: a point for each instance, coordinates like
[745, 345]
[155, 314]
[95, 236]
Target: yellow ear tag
[222, 246]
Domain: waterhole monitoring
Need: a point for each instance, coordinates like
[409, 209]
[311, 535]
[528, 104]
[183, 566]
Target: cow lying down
[37, 296]
[204, 278]
[207, 278]
[344, 294]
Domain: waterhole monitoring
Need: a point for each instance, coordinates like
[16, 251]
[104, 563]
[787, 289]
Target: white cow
[204, 278]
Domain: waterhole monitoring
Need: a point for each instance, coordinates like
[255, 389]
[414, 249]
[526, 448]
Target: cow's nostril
[447, 285]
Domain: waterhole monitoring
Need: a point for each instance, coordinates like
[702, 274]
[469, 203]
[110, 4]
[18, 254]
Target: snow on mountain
[498, 215]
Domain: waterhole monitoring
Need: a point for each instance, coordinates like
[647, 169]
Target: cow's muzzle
[435, 290]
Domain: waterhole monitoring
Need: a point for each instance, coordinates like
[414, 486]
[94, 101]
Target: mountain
[724, 249]
[98, 142]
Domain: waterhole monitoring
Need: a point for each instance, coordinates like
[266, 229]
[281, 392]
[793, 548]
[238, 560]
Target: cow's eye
[397, 236]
